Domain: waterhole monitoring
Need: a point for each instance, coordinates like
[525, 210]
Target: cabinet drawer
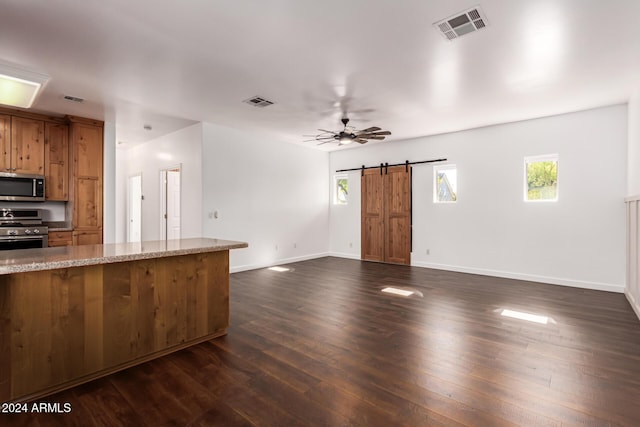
[92, 237]
[60, 238]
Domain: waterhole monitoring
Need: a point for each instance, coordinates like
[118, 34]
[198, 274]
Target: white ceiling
[172, 63]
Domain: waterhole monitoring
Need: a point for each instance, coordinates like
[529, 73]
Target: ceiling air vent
[73, 98]
[462, 23]
[258, 101]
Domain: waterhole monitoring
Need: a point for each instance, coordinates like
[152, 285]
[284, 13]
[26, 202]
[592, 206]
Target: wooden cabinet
[26, 153]
[66, 326]
[87, 237]
[60, 238]
[69, 153]
[56, 156]
[5, 143]
[87, 154]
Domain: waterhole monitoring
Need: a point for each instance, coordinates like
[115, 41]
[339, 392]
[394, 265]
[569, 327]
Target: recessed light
[396, 291]
[19, 88]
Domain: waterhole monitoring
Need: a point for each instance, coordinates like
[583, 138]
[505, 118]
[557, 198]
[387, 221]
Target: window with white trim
[445, 180]
[340, 189]
[541, 178]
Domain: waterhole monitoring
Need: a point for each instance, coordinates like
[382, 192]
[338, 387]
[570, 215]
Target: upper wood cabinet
[87, 149]
[27, 146]
[5, 142]
[56, 156]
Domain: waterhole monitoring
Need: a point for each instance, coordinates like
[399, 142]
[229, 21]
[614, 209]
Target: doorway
[134, 211]
[386, 215]
[170, 221]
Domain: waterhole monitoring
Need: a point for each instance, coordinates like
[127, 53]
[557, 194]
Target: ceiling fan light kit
[345, 136]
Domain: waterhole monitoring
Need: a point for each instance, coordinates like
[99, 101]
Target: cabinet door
[56, 140]
[88, 204]
[87, 140]
[5, 143]
[27, 145]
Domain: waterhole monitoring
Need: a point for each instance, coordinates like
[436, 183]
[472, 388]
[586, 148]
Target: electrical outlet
[276, 247]
[428, 252]
[295, 245]
[350, 244]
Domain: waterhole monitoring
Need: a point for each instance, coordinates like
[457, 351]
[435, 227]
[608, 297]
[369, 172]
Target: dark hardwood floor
[321, 345]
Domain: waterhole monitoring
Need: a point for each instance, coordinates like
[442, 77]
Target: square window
[541, 178]
[446, 184]
[341, 190]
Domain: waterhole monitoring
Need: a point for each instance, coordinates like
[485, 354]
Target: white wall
[120, 205]
[632, 289]
[267, 193]
[109, 184]
[577, 241]
[184, 148]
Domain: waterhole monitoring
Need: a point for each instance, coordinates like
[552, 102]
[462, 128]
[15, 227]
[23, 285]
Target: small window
[541, 178]
[446, 184]
[341, 190]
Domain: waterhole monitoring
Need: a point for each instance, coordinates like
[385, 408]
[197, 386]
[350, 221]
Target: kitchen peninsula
[72, 314]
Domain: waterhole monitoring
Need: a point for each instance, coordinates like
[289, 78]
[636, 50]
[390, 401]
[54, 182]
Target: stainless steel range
[22, 229]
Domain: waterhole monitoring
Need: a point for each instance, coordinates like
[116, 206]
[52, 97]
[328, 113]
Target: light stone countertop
[25, 260]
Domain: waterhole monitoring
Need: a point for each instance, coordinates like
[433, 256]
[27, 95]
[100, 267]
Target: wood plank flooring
[321, 345]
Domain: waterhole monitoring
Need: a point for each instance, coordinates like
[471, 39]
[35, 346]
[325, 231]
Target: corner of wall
[635, 305]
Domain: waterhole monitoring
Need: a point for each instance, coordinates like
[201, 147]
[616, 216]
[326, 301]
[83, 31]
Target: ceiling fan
[349, 135]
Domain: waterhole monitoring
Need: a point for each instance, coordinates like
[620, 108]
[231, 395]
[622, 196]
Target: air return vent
[73, 98]
[462, 23]
[258, 101]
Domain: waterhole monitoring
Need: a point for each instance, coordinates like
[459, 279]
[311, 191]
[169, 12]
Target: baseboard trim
[480, 271]
[527, 277]
[247, 267]
[633, 302]
[344, 255]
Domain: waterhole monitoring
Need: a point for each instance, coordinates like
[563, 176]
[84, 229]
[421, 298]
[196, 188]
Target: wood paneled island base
[65, 326]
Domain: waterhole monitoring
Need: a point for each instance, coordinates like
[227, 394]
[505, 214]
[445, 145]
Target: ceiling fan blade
[367, 130]
[376, 137]
[360, 141]
[367, 135]
[325, 142]
[327, 131]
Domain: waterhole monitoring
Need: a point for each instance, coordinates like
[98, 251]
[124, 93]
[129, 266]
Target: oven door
[23, 242]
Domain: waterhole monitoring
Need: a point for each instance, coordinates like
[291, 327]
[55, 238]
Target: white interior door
[173, 204]
[135, 209]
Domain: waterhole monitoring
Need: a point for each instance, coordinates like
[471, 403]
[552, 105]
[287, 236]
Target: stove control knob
[12, 232]
[27, 231]
[36, 231]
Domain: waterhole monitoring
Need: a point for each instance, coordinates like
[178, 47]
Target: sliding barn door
[386, 215]
[372, 213]
[397, 197]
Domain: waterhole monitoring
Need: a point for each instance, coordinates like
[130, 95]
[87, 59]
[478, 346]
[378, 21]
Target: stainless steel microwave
[19, 187]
